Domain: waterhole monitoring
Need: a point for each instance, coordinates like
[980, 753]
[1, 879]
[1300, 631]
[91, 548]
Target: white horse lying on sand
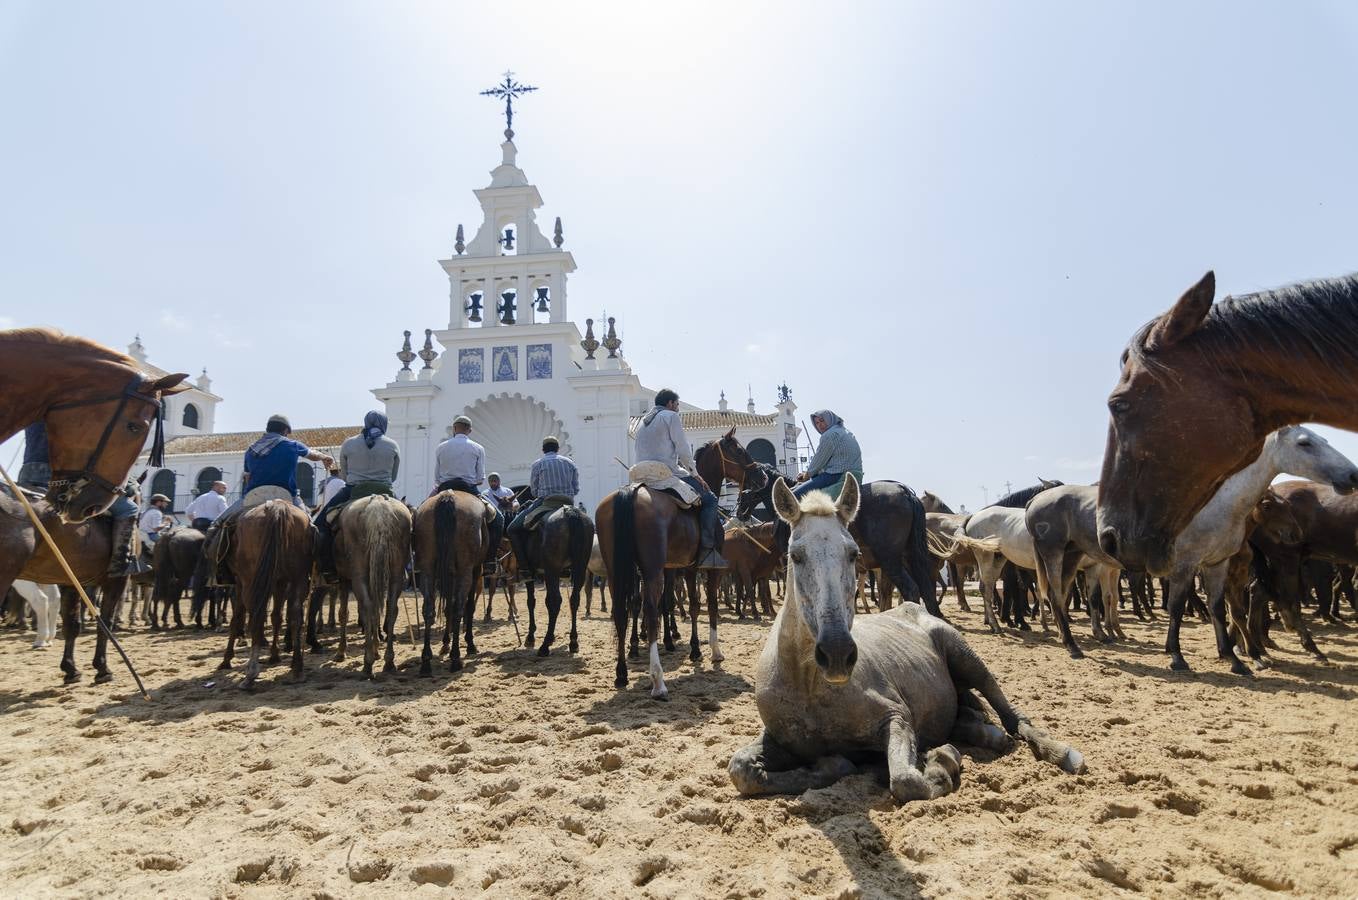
[45, 601]
[831, 691]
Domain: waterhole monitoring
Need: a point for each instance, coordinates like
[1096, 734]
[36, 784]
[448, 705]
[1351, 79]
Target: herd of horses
[1204, 417]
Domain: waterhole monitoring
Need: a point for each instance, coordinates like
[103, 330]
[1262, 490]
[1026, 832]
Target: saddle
[548, 506]
[357, 492]
[657, 477]
[263, 494]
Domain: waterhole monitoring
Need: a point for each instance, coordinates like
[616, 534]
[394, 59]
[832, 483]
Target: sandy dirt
[530, 777]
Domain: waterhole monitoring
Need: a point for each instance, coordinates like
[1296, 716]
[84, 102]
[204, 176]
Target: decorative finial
[428, 353]
[784, 393]
[458, 244]
[556, 235]
[611, 341]
[589, 343]
[749, 398]
[722, 404]
[406, 355]
[508, 90]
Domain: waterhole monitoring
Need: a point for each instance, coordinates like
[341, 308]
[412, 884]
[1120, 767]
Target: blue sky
[941, 220]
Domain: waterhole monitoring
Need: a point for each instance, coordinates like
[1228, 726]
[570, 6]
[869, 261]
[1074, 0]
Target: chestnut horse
[452, 531]
[86, 546]
[646, 531]
[270, 556]
[97, 406]
[1202, 386]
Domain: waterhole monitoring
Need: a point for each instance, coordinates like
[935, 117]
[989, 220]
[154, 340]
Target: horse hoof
[103, 677]
[1179, 664]
[718, 658]
[574, 647]
[1239, 668]
[70, 678]
[1076, 653]
[389, 669]
[662, 696]
[471, 651]
[544, 651]
[455, 665]
[695, 655]
[426, 670]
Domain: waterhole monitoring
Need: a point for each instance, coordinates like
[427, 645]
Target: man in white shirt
[500, 495]
[331, 486]
[152, 521]
[460, 462]
[207, 506]
[661, 438]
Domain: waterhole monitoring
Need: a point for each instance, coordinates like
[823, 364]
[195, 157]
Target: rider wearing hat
[153, 521]
[368, 462]
[460, 465]
[661, 438]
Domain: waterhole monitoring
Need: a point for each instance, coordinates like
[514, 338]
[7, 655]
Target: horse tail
[445, 535]
[162, 570]
[917, 550]
[274, 533]
[624, 544]
[944, 546]
[382, 526]
[580, 544]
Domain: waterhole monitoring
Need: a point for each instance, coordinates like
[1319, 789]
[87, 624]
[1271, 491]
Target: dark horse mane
[1310, 319]
[1019, 499]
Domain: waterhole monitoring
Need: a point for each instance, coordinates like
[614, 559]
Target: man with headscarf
[837, 455]
[368, 463]
[661, 438]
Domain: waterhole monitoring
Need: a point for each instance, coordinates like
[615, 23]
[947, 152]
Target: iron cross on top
[508, 89]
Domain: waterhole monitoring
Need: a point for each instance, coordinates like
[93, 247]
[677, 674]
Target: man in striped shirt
[552, 476]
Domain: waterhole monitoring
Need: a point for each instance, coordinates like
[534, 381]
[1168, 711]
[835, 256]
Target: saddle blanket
[548, 506]
[658, 477]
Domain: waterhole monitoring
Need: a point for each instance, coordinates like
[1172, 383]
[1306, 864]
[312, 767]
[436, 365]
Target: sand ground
[529, 777]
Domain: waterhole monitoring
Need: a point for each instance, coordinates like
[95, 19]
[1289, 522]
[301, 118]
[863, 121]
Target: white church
[511, 359]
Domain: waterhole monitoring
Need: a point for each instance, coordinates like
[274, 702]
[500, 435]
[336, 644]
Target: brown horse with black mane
[97, 406]
[1202, 386]
[641, 531]
[452, 533]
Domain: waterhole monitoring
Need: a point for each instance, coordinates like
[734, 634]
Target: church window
[163, 483]
[190, 419]
[762, 451]
[306, 482]
[203, 483]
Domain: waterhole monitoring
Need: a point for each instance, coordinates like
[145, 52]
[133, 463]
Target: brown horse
[1202, 386]
[644, 531]
[452, 529]
[372, 549]
[86, 547]
[97, 406]
[270, 557]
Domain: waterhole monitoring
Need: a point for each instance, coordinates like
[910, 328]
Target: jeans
[122, 508]
[518, 520]
[709, 527]
[817, 483]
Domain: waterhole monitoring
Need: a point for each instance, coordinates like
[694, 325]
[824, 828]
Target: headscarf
[265, 444]
[374, 426]
[828, 417]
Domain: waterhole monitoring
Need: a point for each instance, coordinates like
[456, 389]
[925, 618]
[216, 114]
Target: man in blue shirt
[552, 476]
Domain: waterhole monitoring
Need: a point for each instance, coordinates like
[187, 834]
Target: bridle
[67, 483]
[747, 466]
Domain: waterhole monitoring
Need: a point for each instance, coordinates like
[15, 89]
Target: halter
[747, 466]
[68, 482]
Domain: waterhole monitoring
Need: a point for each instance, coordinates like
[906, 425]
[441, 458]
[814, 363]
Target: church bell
[542, 300]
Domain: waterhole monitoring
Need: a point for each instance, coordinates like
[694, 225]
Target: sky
[941, 220]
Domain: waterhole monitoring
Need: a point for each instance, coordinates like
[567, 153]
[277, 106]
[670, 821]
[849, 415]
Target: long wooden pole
[75, 582]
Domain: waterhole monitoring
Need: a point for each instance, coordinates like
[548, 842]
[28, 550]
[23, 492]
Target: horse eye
[1118, 405]
[799, 556]
[853, 553]
[134, 427]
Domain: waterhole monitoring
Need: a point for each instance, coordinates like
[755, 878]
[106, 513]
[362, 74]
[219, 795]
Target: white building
[512, 359]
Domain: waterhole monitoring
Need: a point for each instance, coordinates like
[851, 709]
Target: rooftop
[708, 419]
[239, 441]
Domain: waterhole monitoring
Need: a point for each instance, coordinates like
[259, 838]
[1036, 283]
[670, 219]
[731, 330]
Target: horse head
[1300, 451]
[821, 573]
[1275, 518]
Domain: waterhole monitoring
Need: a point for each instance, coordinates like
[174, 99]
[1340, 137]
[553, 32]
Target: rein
[724, 460]
[67, 482]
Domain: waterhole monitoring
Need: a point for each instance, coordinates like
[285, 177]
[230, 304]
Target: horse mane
[818, 503]
[1019, 499]
[40, 335]
[1310, 319]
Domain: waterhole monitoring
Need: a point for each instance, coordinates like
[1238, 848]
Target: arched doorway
[163, 483]
[762, 451]
[190, 419]
[203, 483]
[306, 482]
[511, 428]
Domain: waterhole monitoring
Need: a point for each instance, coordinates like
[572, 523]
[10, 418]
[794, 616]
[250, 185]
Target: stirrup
[711, 559]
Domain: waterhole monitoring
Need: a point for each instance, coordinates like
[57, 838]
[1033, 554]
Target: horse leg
[235, 630]
[70, 630]
[456, 606]
[988, 568]
[296, 589]
[765, 767]
[668, 601]
[343, 648]
[393, 608]
[532, 601]
[955, 576]
[426, 581]
[713, 616]
[1061, 612]
[1219, 579]
[1179, 586]
[553, 584]
[279, 599]
[469, 615]
[620, 632]
[652, 589]
[578, 581]
[113, 592]
[313, 611]
[695, 652]
[634, 650]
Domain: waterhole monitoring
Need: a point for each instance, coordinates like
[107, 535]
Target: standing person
[552, 476]
[153, 520]
[207, 507]
[460, 465]
[837, 455]
[661, 438]
[368, 463]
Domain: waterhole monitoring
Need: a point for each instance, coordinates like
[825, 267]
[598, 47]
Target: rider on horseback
[460, 465]
[660, 438]
[837, 455]
[270, 461]
[553, 477]
[368, 464]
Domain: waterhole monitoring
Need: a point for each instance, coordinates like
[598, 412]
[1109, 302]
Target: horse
[597, 570]
[271, 553]
[1202, 386]
[97, 406]
[644, 531]
[1003, 521]
[86, 546]
[956, 567]
[45, 601]
[751, 555]
[559, 546]
[372, 548]
[832, 691]
[175, 559]
[452, 531]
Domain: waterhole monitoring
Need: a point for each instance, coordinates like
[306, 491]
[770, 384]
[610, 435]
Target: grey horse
[831, 691]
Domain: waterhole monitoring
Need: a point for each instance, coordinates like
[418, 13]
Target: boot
[710, 536]
[218, 573]
[326, 553]
[709, 558]
[517, 540]
[120, 560]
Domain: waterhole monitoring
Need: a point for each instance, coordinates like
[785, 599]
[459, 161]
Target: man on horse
[460, 465]
[207, 507]
[368, 464]
[500, 495]
[837, 455]
[271, 461]
[661, 438]
[554, 480]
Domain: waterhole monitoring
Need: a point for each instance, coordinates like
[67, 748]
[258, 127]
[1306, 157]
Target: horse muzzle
[836, 657]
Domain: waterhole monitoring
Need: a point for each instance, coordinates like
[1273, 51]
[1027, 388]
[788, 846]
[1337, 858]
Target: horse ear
[170, 384]
[847, 505]
[730, 434]
[785, 503]
[1184, 317]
